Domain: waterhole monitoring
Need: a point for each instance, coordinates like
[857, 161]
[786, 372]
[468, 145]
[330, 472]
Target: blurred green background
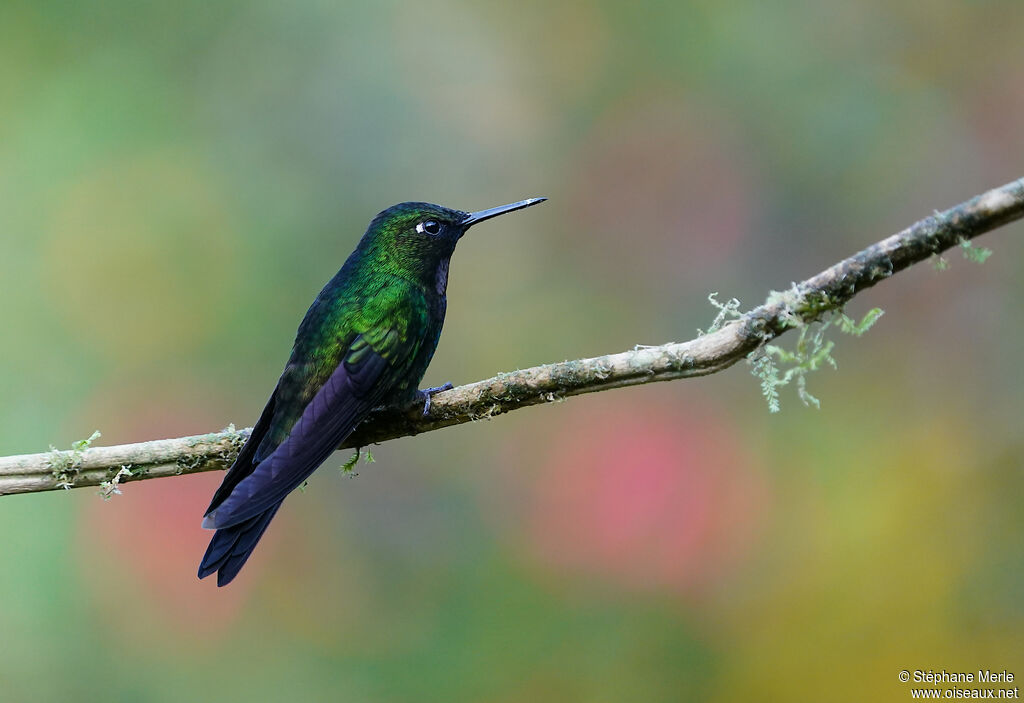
[178, 180]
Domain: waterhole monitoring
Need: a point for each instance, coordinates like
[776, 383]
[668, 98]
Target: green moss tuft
[108, 489]
[727, 311]
[348, 468]
[64, 465]
[976, 255]
[812, 351]
[350, 464]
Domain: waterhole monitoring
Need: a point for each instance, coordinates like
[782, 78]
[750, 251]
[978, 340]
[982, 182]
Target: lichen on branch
[818, 298]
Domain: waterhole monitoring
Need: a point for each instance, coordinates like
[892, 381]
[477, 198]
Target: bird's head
[418, 239]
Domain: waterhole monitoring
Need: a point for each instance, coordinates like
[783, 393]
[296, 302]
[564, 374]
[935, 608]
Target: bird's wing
[245, 461]
[371, 368]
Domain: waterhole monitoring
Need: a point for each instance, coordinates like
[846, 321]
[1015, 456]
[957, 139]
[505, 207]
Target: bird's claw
[427, 392]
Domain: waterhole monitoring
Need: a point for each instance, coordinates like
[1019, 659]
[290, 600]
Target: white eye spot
[428, 227]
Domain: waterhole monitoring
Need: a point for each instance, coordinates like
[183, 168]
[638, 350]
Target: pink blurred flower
[644, 495]
[138, 552]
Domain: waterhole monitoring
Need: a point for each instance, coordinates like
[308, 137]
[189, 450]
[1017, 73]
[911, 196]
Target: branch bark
[805, 302]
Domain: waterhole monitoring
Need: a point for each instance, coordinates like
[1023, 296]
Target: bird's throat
[442, 276]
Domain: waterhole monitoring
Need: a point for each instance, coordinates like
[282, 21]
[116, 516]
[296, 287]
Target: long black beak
[481, 215]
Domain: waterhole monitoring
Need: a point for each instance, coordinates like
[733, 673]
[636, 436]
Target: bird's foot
[426, 393]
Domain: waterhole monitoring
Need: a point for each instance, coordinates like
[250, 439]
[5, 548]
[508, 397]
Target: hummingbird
[365, 342]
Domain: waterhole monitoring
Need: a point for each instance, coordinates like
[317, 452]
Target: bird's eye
[430, 227]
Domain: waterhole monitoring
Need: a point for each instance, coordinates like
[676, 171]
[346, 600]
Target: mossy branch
[802, 304]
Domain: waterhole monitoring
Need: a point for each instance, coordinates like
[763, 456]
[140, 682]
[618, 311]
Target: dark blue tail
[231, 546]
[267, 470]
